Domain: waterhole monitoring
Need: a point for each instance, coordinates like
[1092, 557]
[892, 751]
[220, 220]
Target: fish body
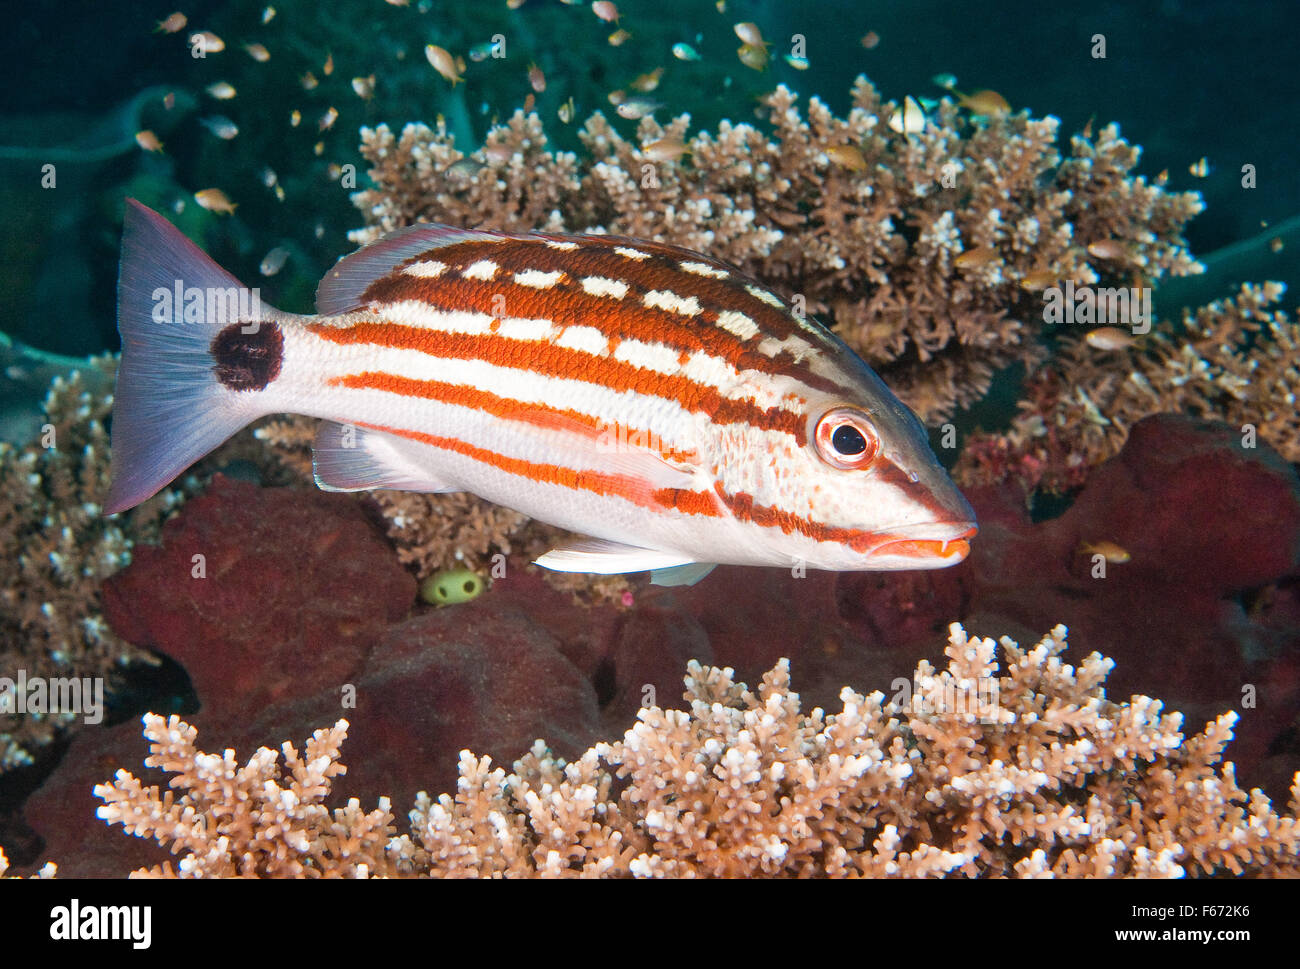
[651, 397]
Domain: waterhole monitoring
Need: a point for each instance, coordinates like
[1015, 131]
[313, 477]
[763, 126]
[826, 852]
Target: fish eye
[846, 440]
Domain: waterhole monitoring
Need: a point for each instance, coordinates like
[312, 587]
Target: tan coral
[57, 549]
[873, 251]
[1234, 360]
[1018, 769]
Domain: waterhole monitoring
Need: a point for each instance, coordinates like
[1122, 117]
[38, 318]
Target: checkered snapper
[647, 396]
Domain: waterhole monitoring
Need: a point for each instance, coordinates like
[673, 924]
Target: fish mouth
[935, 545]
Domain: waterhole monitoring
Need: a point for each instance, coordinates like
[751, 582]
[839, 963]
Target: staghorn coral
[48, 870]
[1234, 360]
[57, 549]
[1026, 771]
[870, 239]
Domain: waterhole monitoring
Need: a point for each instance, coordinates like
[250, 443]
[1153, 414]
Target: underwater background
[924, 174]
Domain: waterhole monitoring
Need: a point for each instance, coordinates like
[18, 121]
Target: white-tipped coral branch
[1010, 767]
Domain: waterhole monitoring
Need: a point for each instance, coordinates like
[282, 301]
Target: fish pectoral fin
[346, 457]
[609, 558]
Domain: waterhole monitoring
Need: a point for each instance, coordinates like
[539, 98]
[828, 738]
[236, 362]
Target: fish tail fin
[197, 349]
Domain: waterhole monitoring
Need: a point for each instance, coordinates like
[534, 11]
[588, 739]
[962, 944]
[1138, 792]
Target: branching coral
[57, 549]
[1026, 771]
[869, 226]
[1235, 360]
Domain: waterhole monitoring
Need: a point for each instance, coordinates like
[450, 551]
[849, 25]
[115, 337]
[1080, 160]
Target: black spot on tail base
[248, 360]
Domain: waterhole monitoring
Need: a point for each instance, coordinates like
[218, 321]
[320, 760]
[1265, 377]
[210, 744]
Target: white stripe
[651, 356]
[427, 270]
[539, 279]
[764, 295]
[600, 286]
[664, 300]
[484, 270]
[631, 253]
[588, 339]
[798, 348]
[766, 390]
[533, 331]
[562, 246]
[701, 269]
[737, 324]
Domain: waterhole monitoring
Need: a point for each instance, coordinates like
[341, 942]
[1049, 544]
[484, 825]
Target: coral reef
[57, 549]
[1022, 768]
[1234, 360]
[921, 250]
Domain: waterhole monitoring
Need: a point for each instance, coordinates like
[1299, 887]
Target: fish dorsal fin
[350, 458]
[609, 558]
[342, 288]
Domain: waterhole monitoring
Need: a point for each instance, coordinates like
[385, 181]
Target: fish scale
[651, 397]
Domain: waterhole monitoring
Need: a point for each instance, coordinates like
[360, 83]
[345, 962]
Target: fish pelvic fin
[197, 350]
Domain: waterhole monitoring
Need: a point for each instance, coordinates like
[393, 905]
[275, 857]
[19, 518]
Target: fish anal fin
[346, 457]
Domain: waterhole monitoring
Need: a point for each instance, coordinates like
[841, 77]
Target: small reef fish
[606, 11]
[749, 33]
[1110, 338]
[147, 140]
[364, 87]
[258, 52]
[1200, 168]
[208, 42]
[908, 118]
[847, 156]
[619, 37]
[664, 150]
[1110, 249]
[215, 200]
[975, 258]
[685, 52]
[1112, 552]
[222, 90]
[536, 78]
[753, 56]
[274, 261]
[173, 23]
[651, 397]
[441, 60]
[986, 102]
[647, 82]
[221, 126]
[637, 107]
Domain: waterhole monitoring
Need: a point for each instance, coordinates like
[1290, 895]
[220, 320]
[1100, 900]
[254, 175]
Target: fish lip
[936, 543]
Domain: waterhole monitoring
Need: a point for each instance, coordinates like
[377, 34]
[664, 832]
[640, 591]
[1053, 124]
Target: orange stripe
[553, 361]
[508, 408]
[568, 304]
[625, 486]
